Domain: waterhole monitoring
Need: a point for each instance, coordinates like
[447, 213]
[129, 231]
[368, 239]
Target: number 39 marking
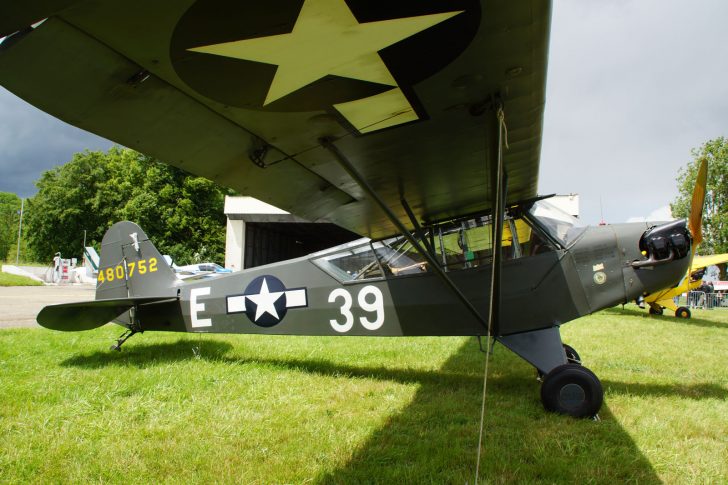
[376, 306]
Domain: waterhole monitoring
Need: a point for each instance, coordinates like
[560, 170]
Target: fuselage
[383, 288]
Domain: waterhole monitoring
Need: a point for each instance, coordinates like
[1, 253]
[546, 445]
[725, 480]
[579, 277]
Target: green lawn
[254, 409]
[7, 279]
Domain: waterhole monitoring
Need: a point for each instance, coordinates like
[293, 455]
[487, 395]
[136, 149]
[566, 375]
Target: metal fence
[701, 299]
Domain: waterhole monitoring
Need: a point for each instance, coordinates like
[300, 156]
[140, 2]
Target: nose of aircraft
[656, 259]
[620, 262]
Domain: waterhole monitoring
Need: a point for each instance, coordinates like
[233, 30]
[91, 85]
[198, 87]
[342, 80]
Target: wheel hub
[572, 396]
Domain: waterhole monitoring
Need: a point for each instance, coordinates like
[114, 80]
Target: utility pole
[20, 230]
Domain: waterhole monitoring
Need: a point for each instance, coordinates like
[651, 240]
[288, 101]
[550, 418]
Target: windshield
[564, 227]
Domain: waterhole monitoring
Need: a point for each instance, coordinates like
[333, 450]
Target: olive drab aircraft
[416, 125]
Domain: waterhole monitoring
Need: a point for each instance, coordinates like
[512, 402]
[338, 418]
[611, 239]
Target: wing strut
[418, 230]
[431, 261]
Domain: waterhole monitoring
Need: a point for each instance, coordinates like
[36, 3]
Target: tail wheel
[682, 312]
[572, 389]
[655, 312]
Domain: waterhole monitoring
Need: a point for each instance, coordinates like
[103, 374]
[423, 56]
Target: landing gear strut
[572, 357]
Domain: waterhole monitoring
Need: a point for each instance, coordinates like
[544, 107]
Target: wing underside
[242, 93]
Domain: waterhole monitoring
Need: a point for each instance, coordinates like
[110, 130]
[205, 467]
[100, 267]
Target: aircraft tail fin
[130, 266]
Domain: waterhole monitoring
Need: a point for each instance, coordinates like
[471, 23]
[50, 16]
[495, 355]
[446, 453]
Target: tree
[715, 215]
[9, 214]
[181, 213]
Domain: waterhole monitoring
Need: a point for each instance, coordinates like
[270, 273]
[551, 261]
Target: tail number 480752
[370, 300]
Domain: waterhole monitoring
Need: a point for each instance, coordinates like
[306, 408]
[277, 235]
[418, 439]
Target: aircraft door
[537, 291]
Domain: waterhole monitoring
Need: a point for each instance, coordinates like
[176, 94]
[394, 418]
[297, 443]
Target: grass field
[7, 279]
[253, 409]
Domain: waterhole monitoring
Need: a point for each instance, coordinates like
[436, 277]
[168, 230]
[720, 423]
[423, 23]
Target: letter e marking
[195, 307]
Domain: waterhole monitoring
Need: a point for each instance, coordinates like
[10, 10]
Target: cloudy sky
[633, 85]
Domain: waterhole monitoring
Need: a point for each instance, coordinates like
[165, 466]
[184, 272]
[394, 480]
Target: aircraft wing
[705, 261]
[241, 92]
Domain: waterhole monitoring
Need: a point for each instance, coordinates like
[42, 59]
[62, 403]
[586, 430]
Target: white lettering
[195, 307]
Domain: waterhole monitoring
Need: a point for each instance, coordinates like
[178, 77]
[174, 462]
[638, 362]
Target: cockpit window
[352, 262]
[563, 227]
[455, 245]
[398, 257]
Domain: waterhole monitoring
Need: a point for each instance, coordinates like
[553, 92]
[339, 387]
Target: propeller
[695, 222]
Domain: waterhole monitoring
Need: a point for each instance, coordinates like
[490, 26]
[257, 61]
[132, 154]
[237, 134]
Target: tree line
[181, 213]
[715, 212]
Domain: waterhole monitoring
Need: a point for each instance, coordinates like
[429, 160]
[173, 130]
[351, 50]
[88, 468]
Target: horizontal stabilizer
[87, 315]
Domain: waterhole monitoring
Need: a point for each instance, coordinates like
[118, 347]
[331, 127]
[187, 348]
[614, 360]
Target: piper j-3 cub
[415, 124]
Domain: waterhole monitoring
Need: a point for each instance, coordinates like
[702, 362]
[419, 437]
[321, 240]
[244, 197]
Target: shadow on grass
[668, 316]
[144, 355]
[434, 438]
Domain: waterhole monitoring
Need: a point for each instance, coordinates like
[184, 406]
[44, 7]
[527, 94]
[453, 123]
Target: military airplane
[414, 124]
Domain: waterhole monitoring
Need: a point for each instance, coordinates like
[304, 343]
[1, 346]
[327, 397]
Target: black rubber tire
[572, 356]
[656, 312]
[572, 389]
[682, 312]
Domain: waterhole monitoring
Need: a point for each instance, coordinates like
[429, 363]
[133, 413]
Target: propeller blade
[695, 223]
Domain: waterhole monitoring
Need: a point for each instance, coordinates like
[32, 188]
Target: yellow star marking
[326, 39]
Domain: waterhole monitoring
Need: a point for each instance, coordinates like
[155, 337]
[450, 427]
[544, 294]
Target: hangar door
[270, 242]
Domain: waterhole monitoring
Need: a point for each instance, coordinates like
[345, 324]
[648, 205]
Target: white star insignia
[265, 301]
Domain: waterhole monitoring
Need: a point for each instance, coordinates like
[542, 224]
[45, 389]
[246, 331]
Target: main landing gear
[572, 389]
[566, 386]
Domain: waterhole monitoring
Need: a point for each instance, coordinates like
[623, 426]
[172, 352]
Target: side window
[357, 263]
[531, 242]
[399, 258]
[467, 244]
[464, 244]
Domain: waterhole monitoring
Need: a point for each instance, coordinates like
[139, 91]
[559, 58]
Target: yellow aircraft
[660, 300]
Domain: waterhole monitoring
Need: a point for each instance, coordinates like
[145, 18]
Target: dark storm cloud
[633, 87]
[32, 141]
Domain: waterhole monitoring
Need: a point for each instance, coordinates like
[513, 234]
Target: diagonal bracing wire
[496, 246]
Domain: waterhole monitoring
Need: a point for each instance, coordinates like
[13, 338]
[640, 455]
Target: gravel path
[19, 305]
